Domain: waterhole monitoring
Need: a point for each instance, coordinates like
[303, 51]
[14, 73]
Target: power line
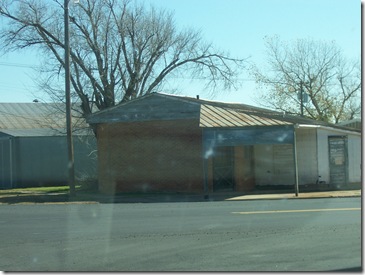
[17, 65]
[13, 86]
[202, 78]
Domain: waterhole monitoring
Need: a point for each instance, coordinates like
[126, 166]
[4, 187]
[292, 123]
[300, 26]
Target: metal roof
[31, 115]
[35, 119]
[353, 123]
[222, 114]
[213, 116]
[40, 132]
[210, 113]
[43, 132]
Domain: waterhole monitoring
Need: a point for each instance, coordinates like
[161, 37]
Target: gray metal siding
[41, 160]
[35, 161]
[5, 163]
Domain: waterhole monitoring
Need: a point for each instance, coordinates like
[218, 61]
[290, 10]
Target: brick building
[167, 143]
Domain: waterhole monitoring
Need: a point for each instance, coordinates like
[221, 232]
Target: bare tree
[119, 50]
[312, 68]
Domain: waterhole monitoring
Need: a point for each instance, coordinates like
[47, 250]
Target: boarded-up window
[338, 160]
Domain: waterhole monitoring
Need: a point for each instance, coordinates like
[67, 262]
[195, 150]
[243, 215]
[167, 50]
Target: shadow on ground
[96, 198]
[34, 198]
[351, 269]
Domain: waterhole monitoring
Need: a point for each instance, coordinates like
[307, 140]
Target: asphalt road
[265, 235]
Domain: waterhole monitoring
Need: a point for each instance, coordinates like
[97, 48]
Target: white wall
[354, 157]
[274, 164]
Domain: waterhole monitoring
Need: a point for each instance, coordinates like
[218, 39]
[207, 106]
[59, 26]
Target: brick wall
[150, 156]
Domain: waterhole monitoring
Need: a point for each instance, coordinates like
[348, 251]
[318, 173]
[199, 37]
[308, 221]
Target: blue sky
[236, 26]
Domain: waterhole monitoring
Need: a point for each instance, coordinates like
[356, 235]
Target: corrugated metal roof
[36, 115]
[40, 132]
[210, 113]
[242, 115]
[213, 116]
[31, 115]
[36, 119]
[353, 123]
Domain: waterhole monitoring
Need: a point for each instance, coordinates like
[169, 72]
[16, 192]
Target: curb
[48, 199]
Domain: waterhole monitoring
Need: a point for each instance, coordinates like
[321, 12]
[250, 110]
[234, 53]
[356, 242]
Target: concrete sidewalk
[303, 195]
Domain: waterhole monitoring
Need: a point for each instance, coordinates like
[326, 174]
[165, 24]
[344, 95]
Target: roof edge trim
[327, 128]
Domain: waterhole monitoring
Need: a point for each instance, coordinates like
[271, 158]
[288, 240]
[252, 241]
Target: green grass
[50, 189]
[42, 190]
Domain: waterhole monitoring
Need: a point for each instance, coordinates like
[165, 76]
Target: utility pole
[296, 171]
[70, 150]
[301, 99]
